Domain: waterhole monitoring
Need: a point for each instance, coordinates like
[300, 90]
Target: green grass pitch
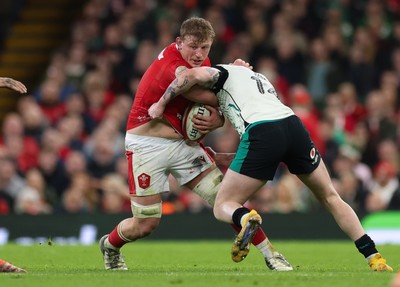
[195, 263]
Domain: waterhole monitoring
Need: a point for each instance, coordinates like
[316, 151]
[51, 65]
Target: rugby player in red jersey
[155, 148]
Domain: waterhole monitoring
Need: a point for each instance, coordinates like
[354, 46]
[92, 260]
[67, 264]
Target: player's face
[192, 51]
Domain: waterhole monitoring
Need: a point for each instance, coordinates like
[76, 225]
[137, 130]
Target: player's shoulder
[169, 53]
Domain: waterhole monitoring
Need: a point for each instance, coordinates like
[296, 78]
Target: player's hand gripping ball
[189, 131]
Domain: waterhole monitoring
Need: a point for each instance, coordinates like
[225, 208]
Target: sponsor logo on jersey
[314, 155]
[144, 180]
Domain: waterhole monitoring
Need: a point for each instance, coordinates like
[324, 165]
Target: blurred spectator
[262, 200]
[337, 49]
[73, 201]
[318, 72]
[35, 198]
[75, 106]
[361, 58]
[288, 195]
[350, 190]
[49, 99]
[384, 192]
[289, 46]
[268, 67]
[72, 130]
[388, 151]
[23, 149]
[11, 183]
[145, 55]
[379, 125]
[75, 66]
[102, 160]
[303, 106]
[326, 132]
[54, 140]
[351, 177]
[109, 132]
[81, 196]
[33, 119]
[115, 194]
[53, 171]
[97, 94]
[74, 163]
[353, 111]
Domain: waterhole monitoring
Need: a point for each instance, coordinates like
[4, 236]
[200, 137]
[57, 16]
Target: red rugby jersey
[152, 86]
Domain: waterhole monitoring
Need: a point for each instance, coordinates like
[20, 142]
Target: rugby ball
[189, 131]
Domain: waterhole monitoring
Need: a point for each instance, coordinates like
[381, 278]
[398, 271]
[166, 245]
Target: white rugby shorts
[151, 160]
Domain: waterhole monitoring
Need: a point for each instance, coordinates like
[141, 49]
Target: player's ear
[179, 42]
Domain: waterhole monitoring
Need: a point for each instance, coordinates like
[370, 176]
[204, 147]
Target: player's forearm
[12, 84]
[179, 86]
[3, 82]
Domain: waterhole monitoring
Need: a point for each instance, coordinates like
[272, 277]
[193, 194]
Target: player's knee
[147, 226]
[208, 187]
[147, 216]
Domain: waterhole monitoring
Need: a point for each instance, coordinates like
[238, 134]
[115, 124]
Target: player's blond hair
[197, 27]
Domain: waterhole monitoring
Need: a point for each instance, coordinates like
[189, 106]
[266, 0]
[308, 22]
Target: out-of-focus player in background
[270, 133]
[155, 148]
[12, 84]
[9, 267]
[19, 87]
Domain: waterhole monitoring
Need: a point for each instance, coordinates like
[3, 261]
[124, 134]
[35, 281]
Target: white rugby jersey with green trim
[246, 97]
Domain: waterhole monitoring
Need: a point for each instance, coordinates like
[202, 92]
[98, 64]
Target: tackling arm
[202, 76]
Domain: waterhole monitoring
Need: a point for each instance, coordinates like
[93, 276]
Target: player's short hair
[197, 27]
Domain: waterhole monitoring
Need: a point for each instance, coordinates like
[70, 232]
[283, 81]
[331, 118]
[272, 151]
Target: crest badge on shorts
[144, 180]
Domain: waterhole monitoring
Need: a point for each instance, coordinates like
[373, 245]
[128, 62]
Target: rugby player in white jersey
[270, 134]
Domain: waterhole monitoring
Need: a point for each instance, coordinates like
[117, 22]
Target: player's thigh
[190, 163]
[319, 182]
[237, 187]
[146, 200]
[148, 159]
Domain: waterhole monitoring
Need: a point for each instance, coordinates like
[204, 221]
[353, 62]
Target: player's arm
[205, 77]
[12, 84]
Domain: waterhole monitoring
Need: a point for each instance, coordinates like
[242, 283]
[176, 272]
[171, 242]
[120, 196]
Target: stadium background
[336, 63]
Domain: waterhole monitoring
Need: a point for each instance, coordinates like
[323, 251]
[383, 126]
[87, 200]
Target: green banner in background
[383, 227]
[88, 228]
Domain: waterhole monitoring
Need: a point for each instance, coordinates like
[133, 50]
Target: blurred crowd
[335, 62]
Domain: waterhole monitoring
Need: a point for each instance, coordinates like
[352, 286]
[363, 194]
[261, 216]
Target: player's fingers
[201, 125]
[21, 87]
[202, 130]
[15, 85]
[199, 119]
[211, 109]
